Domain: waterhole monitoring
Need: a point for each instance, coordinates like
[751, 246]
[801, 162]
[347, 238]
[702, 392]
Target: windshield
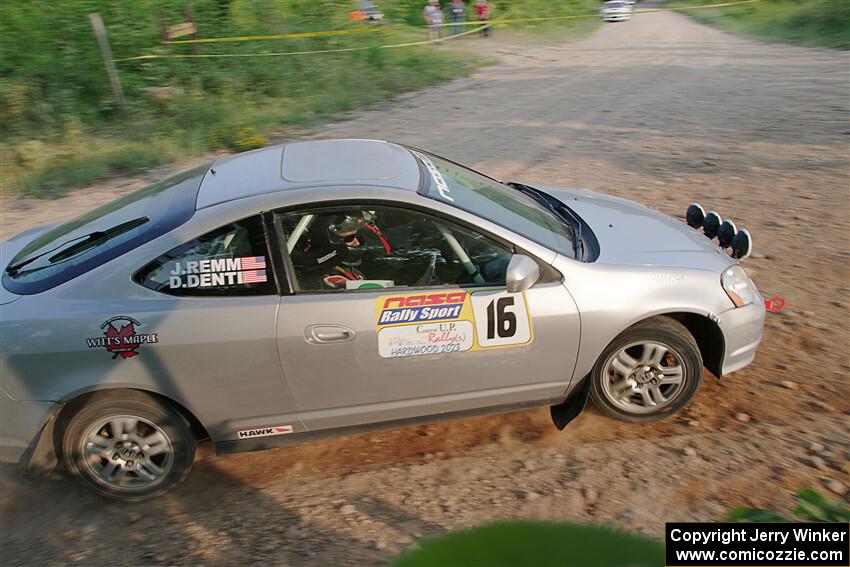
[104, 233]
[496, 202]
[614, 4]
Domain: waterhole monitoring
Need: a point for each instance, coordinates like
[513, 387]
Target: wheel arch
[709, 338]
[707, 334]
[71, 406]
[47, 449]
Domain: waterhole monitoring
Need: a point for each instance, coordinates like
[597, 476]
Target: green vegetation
[542, 544]
[538, 544]
[812, 506]
[821, 23]
[60, 126]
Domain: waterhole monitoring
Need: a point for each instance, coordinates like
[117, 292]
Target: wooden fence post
[187, 11]
[106, 54]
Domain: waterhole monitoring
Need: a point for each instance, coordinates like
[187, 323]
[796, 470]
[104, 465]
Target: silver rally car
[326, 287]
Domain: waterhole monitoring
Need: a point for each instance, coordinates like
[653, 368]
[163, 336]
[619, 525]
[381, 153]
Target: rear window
[231, 260]
[103, 234]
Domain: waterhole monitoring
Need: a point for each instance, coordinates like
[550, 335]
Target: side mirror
[523, 272]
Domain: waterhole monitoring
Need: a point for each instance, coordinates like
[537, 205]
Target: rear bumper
[742, 328]
[20, 424]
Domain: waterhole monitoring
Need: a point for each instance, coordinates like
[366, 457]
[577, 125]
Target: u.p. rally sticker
[425, 338]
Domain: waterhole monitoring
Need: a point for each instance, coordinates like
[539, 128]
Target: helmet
[345, 236]
[350, 234]
[340, 238]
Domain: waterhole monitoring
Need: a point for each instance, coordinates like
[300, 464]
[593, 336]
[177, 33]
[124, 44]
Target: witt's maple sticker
[120, 337]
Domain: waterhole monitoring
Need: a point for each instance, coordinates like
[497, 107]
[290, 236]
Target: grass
[817, 23]
[196, 119]
[195, 122]
[60, 127]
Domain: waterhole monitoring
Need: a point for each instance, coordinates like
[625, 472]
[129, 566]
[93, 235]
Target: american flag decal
[253, 276]
[253, 263]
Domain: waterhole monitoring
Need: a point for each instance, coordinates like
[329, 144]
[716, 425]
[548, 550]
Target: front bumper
[616, 17]
[20, 424]
[742, 329]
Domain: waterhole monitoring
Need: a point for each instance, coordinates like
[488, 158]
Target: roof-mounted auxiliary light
[711, 224]
[742, 244]
[695, 215]
[726, 233]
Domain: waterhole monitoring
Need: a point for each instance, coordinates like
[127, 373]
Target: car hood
[633, 234]
[10, 249]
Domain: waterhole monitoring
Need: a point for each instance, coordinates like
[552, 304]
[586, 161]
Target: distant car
[616, 11]
[324, 287]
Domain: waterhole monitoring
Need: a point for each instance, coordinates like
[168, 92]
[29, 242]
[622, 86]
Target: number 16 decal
[501, 318]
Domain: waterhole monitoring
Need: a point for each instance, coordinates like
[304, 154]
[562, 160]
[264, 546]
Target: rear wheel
[650, 371]
[128, 445]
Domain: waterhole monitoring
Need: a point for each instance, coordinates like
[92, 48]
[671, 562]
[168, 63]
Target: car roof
[315, 163]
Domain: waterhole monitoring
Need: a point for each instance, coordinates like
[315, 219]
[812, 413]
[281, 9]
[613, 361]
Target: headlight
[738, 286]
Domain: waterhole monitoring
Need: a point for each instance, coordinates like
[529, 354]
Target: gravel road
[660, 110]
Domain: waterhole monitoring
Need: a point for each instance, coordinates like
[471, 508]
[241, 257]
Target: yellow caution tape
[283, 53]
[278, 36]
[479, 23]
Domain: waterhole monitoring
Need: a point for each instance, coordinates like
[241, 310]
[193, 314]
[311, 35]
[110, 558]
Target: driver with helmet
[334, 249]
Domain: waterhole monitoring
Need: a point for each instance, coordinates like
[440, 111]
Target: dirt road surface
[661, 110]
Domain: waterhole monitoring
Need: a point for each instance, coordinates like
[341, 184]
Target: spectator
[458, 13]
[434, 19]
[482, 10]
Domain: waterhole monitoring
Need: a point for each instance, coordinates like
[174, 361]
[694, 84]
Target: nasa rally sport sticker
[455, 321]
[264, 431]
[120, 337]
[218, 272]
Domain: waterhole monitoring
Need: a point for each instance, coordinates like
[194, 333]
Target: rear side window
[83, 244]
[231, 260]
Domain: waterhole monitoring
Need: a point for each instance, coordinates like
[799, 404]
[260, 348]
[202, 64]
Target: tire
[633, 380]
[128, 445]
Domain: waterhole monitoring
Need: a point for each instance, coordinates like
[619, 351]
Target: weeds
[812, 506]
[60, 127]
[820, 23]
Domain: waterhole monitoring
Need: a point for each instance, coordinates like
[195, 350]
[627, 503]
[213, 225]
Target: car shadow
[213, 518]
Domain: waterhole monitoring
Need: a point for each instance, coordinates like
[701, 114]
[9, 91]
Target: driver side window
[371, 247]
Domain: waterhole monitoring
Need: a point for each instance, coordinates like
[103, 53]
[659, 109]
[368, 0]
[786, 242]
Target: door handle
[324, 334]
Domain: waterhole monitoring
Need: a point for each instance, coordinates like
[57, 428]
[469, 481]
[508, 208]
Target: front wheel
[128, 445]
[650, 371]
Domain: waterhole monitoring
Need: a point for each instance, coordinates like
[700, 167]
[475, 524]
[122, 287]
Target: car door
[213, 304]
[396, 313]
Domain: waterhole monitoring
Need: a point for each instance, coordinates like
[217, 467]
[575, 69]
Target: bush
[537, 544]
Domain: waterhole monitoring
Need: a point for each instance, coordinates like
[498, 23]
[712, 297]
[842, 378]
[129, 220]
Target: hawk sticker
[120, 337]
[264, 432]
